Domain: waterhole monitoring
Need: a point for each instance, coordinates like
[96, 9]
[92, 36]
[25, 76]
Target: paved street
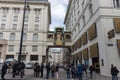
[62, 74]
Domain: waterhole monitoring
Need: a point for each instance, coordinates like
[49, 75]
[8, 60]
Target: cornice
[21, 2]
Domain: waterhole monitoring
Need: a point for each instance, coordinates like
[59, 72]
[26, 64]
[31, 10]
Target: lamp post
[22, 31]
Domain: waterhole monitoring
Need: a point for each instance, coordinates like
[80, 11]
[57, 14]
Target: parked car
[29, 65]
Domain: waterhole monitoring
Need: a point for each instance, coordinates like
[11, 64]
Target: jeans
[80, 76]
[68, 76]
[114, 77]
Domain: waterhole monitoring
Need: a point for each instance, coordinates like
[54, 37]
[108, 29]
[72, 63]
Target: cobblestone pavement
[62, 76]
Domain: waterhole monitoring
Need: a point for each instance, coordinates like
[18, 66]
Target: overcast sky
[58, 11]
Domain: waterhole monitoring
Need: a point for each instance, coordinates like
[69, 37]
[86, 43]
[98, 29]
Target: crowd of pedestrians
[14, 68]
[52, 70]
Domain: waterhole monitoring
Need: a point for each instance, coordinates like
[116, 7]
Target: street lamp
[22, 31]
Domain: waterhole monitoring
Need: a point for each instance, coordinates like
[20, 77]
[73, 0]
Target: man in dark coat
[48, 70]
[42, 69]
[21, 69]
[114, 72]
[4, 70]
[15, 68]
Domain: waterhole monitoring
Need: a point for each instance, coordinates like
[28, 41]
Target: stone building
[55, 55]
[95, 28]
[36, 25]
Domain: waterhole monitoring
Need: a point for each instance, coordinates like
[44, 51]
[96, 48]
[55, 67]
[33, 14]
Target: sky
[58, 12]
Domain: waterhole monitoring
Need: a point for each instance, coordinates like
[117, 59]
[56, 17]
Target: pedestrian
[73, 71]
[48, 70]
[68, 71]
[15, 69]
[4, 70]
[79, 71]
[34, 68]
[37, 70]
[92, 69]
[42, 69]
[114, 72]
[57, 70]
[52, 70]
[21, 69]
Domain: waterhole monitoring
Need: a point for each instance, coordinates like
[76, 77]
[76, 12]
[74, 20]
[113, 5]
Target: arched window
[1, 36]
[12, 36]
[35, 37]
[24, 36]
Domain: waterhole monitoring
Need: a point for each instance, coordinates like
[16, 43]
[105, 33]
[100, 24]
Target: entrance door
[96, 63]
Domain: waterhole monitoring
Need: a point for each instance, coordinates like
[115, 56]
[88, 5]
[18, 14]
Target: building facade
[36, 25]
[95, 28]
[55, 55]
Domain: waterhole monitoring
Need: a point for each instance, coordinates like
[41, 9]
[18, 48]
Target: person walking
[68, 71]
[52, 70]
[79, 71]
[92, 69]
[37, 70]
[114, 72]
[15, 69]
[42, 69]
[57, 71]
[73, 71]
[48, 70]
[21, 69]
[4, 70]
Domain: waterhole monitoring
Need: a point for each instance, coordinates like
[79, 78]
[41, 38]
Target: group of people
[17, 69]
[71, 71]
[78, 71]
[39, 69]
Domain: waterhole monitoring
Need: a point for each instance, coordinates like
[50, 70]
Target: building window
[37, 11]
[27, 11]
[24, 36]
[36, 27]
[116, 3]
[37, 18]
[15, 18]
[12, 36]
[83, 20]
[2, 26]
[34, 48]
[33, 57]
[11, 48]
[16, 10]
[14, 26]
[35, 37]
[26, 18]
[1, 36]
[4, 17]
[90, 10]
[23, 48]
[5, 9]
[83, 2]
[25, 26]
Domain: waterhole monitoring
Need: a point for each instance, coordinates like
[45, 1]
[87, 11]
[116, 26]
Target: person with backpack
[52, 70]
[42, 69]
[4, 70]
[73, 71]
[114, 72]
[92, 69]
[68, 71]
